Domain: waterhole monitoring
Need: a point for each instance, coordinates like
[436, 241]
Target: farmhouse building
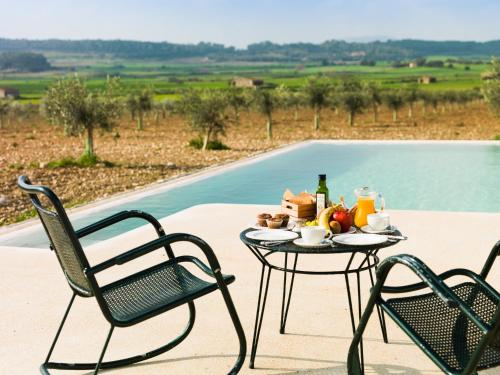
[246, 82]
[9, 92]
[412, 64]
[425, 80]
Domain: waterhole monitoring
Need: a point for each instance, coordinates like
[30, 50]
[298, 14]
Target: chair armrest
[156, 244]
[443, 276]
[430, 279]
[120, 216]
[197, 262]
[494, 253]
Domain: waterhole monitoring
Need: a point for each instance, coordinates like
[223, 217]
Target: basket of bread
[301, 206]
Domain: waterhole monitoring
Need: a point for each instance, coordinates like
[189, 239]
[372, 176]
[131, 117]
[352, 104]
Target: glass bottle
[321, 194]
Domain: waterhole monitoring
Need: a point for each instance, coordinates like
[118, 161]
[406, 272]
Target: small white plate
[300, 242]
[360, 239]
[351, 230]
[368, 229]
[271, 235]
[258, 226]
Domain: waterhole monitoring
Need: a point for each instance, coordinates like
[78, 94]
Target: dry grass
[160, 151]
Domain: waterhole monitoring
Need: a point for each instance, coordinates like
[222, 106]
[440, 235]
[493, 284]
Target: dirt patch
[160, 151]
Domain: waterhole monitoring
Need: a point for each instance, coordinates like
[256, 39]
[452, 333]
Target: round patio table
[360, 259]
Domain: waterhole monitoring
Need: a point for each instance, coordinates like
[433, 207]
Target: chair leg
[354, 366]
[129, 360]
[43, 367]
[104, 350]
[237, 326]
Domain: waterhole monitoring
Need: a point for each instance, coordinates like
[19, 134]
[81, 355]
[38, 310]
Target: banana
[324, 218]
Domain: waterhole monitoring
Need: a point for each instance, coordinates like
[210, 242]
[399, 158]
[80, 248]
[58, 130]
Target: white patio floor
[35, 295]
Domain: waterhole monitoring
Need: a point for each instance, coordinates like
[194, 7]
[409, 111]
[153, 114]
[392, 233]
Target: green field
[168, 79]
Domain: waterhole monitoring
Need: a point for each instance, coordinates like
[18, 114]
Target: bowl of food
[262, 219]
[284, 217]
[274, 223]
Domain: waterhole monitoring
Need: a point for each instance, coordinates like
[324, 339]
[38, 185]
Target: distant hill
[23, 62]
[330, 51]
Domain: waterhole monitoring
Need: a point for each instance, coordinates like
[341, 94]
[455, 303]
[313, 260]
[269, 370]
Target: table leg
[284, 310]
[260, 313]
[380, 312]
[359, 303]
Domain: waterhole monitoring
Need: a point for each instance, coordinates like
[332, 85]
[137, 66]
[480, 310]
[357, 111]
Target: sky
[242, 22]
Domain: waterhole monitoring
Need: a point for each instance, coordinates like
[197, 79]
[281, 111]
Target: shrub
[25, 215]
[197, 143]
[83, 161]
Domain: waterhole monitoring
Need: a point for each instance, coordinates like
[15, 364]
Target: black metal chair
[457, 327]
[137, 297]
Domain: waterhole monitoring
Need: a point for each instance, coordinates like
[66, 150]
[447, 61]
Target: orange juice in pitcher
[366, 205]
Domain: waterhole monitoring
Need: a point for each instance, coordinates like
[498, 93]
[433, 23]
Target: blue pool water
[413, 176]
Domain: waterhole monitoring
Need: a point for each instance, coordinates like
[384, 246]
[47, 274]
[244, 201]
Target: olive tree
[491, 88]
[316, 91]
[394, 100]
[290, 99]
[411, 96]
[69, 103]
[162, 109]
[373, 97]
[205, 111]
[429, 98]
[5, 106]
[139, 104]
[351, 97]
[237, 100]
[266, 101]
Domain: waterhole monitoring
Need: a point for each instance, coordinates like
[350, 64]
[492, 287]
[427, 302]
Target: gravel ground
[160, 151]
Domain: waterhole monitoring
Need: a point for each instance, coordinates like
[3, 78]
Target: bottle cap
[322, 177]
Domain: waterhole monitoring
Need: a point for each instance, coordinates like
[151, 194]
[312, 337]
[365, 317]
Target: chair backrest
[495, 323]
[495, 342]
[61, 235]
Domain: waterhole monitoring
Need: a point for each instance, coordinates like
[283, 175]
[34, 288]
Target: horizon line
[381, 40]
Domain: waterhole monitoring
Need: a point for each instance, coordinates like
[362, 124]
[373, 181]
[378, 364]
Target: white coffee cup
[379, 221]
[313, 235]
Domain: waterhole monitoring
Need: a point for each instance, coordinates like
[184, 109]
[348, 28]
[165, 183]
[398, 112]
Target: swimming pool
[437, 176]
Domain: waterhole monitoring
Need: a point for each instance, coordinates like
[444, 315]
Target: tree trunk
[206, 138]
[89, 142]
[394, 115]
[140, 119]
[1, 122]
[157, 117]
[296, 114]
[375, 113]
[336, 111]
[350, 118]
[316, 120]
[237, 115]
[269, 127]
[424, 110]
[410, 111]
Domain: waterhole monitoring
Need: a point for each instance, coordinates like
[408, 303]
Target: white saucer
[351, 230]
[271, 235]
[368, 229]
[300, 242]
[360, 239]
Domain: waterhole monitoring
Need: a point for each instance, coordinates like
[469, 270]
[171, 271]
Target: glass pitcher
[366, 205]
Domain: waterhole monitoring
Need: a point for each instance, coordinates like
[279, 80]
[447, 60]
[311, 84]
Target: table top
[290, 247]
